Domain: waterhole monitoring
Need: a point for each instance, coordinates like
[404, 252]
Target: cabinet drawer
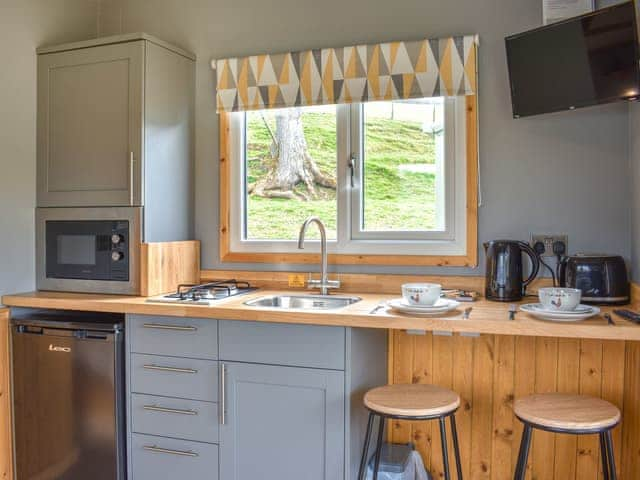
[283, 344]
[175, 417]
[158, 457]
[174, 377]
[180, 337]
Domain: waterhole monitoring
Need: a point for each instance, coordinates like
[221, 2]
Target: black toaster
[603, 279]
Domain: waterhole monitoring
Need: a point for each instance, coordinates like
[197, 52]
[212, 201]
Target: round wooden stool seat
[412, 400]
[569, 413]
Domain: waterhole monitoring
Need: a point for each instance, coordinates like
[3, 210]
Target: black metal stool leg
[456, 447]
[611, 460]
[445, 453]
[605, 457]
[376, 465]
[525, 444]
[365, 448]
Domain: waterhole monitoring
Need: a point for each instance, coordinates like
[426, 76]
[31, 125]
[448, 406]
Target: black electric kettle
[504, 281]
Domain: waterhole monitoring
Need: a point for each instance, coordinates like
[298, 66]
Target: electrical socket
[548, 239]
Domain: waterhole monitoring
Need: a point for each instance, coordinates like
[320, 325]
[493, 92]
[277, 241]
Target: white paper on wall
[556, 10]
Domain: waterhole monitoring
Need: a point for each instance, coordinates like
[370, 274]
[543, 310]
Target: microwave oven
[92, 250]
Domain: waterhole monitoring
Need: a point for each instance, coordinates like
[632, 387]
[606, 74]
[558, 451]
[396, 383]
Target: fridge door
[66, 405]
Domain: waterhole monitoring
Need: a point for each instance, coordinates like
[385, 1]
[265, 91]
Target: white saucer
[438, 305]
[443, 305]
[559, 316]
[580, 309]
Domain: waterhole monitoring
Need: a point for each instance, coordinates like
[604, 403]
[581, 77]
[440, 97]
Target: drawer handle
[155, 408]
[170, 369]
[156, 449]
[160, 326]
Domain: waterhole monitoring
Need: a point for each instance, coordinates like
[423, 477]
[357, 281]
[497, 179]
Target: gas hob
[206, 293]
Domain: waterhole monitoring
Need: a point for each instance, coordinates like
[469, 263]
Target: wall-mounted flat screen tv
[582, 61]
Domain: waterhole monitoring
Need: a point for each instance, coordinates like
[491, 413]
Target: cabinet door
[90, 126]
[281, 423]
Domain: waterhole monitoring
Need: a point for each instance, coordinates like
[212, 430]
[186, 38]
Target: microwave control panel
[119, 246]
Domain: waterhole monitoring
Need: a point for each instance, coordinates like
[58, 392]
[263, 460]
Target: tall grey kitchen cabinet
[115, 127]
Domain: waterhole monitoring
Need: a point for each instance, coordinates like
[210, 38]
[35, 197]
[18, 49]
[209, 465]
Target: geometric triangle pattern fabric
[433, 67]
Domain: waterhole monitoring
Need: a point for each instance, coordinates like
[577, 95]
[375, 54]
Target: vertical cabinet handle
[223, 394]
[132, 172]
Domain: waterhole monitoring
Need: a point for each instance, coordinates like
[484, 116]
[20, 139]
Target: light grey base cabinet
[249, 400]
[282, 423]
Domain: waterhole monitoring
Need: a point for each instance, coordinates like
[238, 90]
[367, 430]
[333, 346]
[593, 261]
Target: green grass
[396, 199]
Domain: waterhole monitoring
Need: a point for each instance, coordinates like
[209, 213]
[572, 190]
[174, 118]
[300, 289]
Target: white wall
[25, 25]
[565, 173]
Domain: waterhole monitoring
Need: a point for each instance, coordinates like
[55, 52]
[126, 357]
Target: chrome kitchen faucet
[324, 284]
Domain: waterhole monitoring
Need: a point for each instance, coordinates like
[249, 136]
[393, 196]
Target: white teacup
[421, 293]
[561, 299]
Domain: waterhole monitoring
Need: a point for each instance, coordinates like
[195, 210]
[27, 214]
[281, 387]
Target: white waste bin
[398, 462]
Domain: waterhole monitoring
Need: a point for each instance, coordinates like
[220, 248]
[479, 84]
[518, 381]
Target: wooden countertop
[486, 317]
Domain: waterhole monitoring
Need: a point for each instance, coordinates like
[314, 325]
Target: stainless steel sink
[302, 302]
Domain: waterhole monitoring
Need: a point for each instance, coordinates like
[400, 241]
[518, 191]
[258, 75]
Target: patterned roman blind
[385, 71]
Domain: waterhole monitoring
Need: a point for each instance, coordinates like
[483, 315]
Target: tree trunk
[294, 164]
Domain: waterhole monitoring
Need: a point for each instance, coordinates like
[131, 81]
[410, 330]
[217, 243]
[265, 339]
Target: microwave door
[79, 250]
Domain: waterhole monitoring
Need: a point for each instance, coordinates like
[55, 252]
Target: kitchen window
[389, 179]
[288, 170]
[404, 179]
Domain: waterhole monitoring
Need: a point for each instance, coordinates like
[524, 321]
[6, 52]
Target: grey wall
[634, 168]
[26, 24]
[566, 172]
[634, 159]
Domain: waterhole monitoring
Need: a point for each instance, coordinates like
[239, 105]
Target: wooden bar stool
[411, 402]
[564, 413]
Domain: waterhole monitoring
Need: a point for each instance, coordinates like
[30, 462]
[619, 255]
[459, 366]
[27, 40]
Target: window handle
[352, 169]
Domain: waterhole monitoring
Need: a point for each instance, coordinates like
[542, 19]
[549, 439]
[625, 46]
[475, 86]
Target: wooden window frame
[469, 259]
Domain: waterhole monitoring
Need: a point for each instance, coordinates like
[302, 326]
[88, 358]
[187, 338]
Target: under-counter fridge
[68, 392]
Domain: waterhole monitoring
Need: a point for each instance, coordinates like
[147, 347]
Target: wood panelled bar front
[490, 371]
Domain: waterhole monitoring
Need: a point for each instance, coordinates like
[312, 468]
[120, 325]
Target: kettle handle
[535, 264]
[561, 271]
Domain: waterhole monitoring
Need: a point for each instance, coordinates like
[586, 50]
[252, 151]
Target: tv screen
[575, 63]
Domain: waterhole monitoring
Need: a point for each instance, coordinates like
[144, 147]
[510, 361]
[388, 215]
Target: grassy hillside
[397, 195]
